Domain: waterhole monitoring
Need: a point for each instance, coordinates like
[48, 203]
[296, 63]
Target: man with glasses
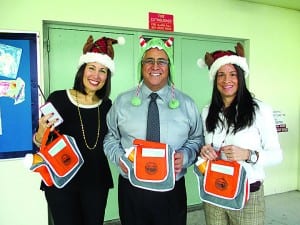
[179, 127]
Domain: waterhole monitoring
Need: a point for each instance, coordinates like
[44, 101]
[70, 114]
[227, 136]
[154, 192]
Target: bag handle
[46, 135]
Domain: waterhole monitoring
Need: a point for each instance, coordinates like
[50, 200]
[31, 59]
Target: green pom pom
[136, 101]
[174, 103]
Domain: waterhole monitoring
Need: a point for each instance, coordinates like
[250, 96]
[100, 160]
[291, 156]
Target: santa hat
[167, 46]
[100, 51]
[219, 58]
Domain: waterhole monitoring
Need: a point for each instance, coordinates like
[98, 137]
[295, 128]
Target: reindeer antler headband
[219, 58]
[100, 51]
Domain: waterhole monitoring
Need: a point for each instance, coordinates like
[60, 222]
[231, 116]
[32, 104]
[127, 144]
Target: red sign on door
[158, 21]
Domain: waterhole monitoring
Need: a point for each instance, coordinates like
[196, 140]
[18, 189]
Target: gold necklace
[82, 127]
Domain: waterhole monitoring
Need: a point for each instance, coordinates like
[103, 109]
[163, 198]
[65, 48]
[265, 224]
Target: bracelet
[38, 144]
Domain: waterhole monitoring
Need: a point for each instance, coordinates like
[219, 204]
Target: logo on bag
[66, 159]
[221, 184]
[151, 168]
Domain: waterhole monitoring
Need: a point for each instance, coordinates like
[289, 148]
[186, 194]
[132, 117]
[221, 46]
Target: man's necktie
[153, 128]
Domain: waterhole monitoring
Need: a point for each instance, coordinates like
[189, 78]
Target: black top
[95, 172]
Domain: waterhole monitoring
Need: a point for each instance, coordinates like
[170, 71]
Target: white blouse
[261, 136]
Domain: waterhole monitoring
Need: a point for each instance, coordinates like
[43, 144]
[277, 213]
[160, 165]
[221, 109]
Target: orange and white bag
[59, 160]
[152, 167]
[224, 184]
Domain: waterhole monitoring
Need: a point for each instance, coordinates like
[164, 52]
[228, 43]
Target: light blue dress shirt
[181, 128]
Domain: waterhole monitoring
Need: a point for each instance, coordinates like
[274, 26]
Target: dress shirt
[181, 128]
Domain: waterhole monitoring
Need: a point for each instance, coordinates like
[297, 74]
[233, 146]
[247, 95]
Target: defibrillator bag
[224, 184]
[153, 166]
[61, 159]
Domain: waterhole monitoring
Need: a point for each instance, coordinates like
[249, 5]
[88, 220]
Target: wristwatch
[253, 157]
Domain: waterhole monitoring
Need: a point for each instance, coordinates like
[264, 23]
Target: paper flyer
[14, 89]
[9, 60]
[280, 121]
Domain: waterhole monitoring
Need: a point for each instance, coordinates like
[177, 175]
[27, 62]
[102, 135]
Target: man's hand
[178, 162]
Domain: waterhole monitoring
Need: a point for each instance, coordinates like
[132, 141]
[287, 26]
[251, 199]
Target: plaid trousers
[252, 214]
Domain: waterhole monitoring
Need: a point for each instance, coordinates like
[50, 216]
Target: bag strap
[46, 135]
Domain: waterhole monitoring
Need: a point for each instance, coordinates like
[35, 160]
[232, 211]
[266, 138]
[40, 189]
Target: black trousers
[77, 207]
[142, 207]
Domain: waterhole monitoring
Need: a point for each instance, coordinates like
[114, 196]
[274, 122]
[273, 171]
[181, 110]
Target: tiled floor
[281, 209]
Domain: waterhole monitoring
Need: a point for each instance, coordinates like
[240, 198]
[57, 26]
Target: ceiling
[289, 4]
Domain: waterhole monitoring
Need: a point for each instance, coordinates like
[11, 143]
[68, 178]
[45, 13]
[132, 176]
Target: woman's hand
[208, 152]
[44, 123]
[235, 153]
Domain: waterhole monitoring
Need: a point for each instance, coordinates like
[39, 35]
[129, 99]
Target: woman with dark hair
[83, 200]
[242, 102]
[238, 127]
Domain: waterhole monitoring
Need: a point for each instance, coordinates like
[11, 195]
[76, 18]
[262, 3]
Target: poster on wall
[18, 92]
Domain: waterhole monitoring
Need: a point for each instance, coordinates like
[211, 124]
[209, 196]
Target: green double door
[63, 46]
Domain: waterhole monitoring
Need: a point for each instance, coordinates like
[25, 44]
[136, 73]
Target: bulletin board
[18, 93]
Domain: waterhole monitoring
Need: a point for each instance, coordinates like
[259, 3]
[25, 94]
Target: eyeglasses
[159, 62]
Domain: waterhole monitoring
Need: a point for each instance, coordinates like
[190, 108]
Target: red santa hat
[219, 58]
[100, 51]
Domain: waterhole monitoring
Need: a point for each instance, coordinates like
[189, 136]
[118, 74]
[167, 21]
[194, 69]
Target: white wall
[21, 201]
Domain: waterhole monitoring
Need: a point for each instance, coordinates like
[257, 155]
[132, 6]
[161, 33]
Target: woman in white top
[243, 129]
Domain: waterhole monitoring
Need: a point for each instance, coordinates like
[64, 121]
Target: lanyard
[217, 147]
